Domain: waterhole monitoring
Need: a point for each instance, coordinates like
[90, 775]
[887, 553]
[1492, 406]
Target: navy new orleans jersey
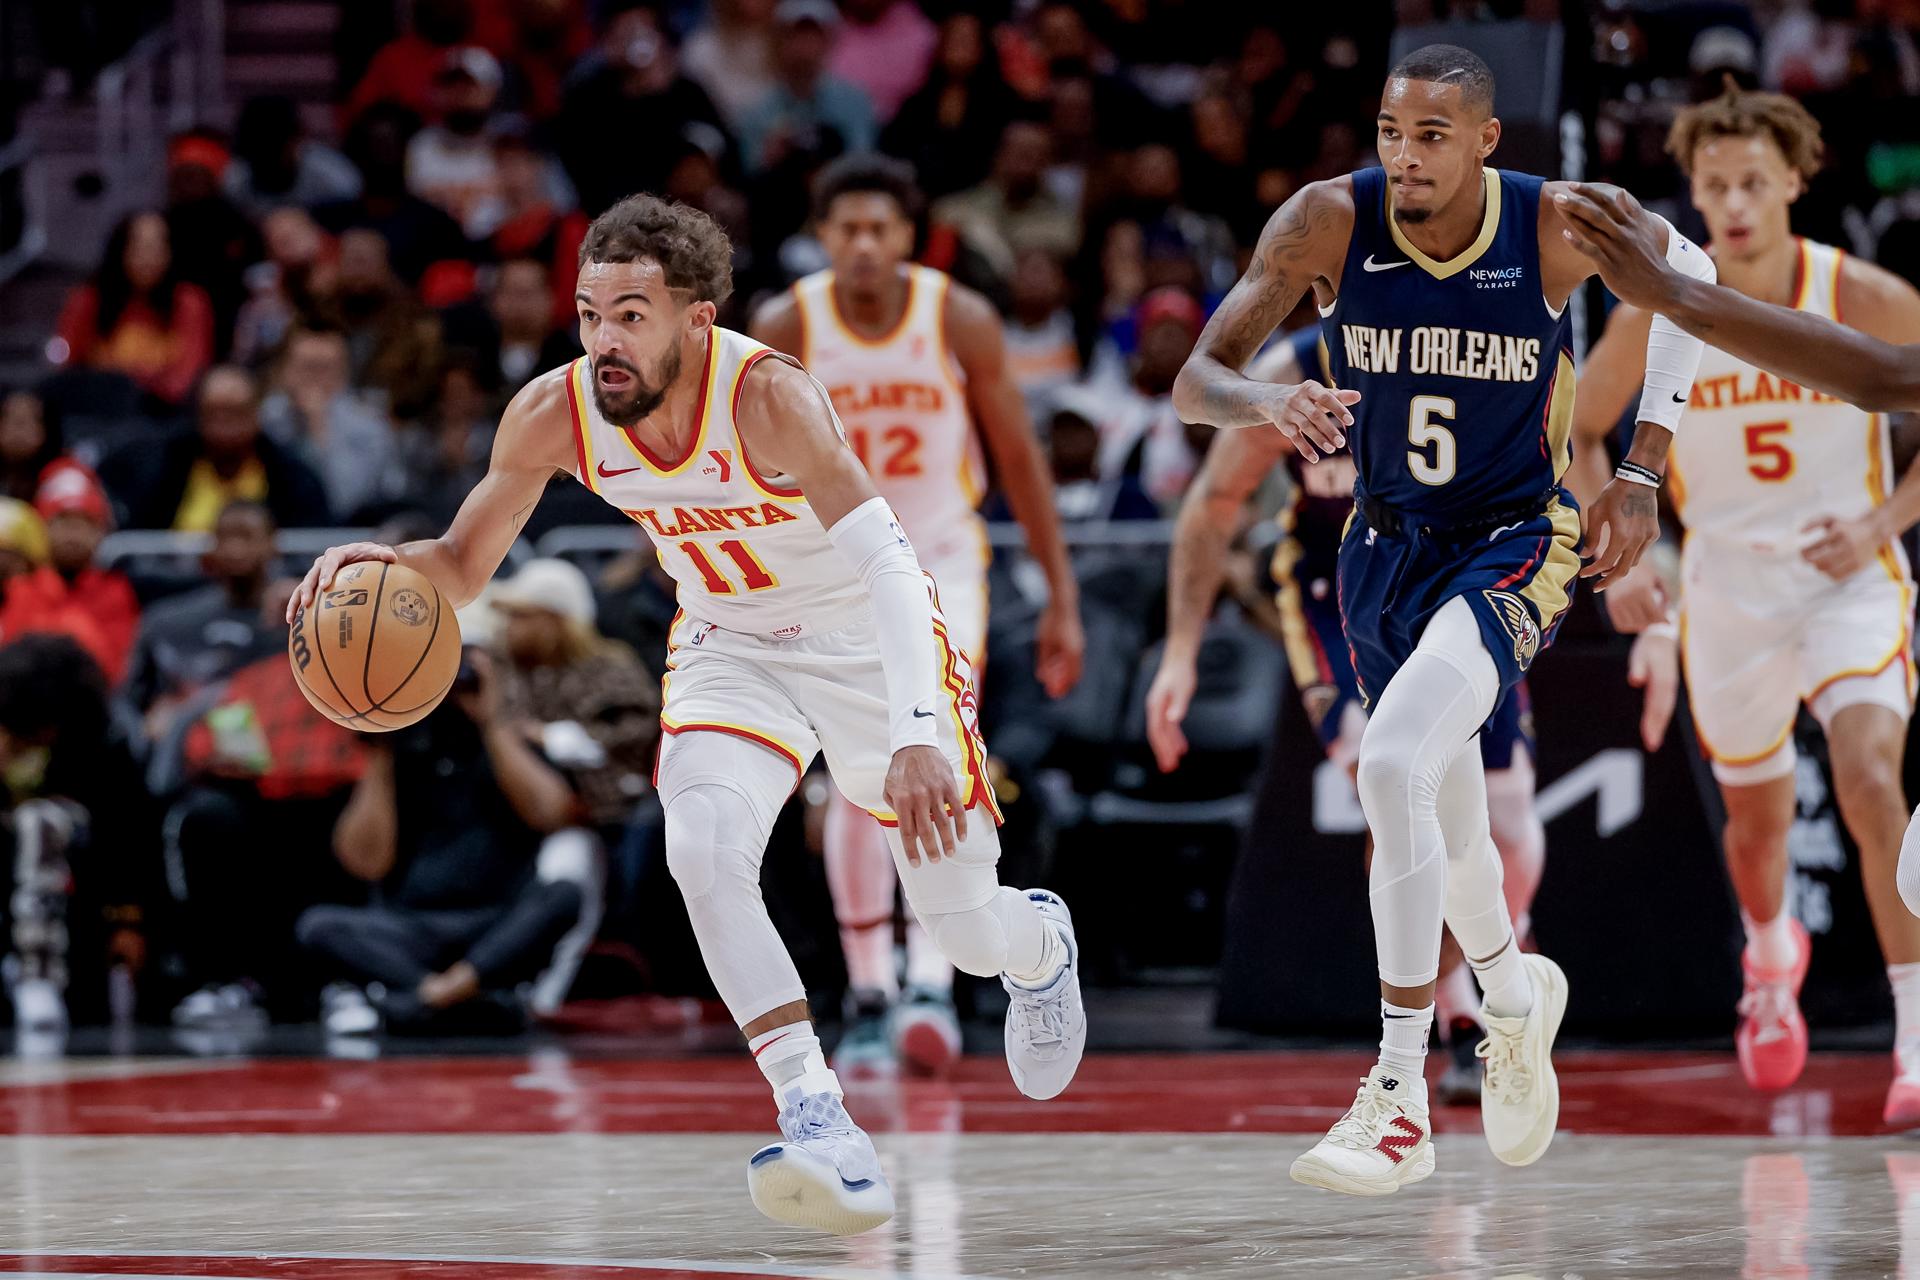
[1304, 569]
[1461, 435]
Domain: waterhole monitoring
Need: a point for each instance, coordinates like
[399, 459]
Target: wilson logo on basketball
[410, 607]
[1394, 1146]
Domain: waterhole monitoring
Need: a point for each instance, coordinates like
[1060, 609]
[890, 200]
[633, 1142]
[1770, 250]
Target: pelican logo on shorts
[410, 607]
[1319, 700]
[1517, 619]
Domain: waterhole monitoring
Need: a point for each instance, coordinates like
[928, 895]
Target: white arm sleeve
[871, 539]
[1673, 357]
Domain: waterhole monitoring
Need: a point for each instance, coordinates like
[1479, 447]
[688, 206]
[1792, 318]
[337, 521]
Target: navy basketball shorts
[1517, 578]
[1322, 670]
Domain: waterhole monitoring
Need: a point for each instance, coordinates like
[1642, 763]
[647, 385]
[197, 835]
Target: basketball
[378, 650]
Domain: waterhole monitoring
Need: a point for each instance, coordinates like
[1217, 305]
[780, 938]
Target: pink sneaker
[1903, 1096]
[1772, 1038]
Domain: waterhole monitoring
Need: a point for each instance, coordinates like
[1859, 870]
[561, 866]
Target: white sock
[790, 1058]
[1503, 976]
[1772, 944]
[1403, 1043]
[1906, 1002]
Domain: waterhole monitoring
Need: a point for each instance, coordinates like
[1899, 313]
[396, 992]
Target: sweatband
[1673, 356]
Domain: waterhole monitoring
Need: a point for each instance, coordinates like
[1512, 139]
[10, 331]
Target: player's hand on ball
[1167, 701]
[1654, 665]
[1314, 417]
[1637, 600]
[924, 795]
[1623, 522]
[1060, 648]
[1842, 548]
[330, 562]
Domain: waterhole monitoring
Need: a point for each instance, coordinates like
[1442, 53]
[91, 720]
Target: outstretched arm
[1304, 244]
[535, 440]
[1625, 242]
[786, 420]
[980, 344]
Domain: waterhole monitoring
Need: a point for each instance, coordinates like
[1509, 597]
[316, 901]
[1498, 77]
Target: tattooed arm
[535, 440]
[1302, 248]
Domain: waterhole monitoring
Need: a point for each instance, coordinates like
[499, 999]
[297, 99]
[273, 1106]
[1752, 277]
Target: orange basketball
[379, 648]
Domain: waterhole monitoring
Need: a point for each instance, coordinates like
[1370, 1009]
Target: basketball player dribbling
[1794, 587]
[913, 362]
[1442, 286]
[1305, 566]
[806, 626]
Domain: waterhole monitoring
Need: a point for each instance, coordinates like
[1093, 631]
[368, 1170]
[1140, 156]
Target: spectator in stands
[295, 281]
[809, 112]
[76, 831]
[696, 178]
[730, 55]
[1043, 353]
[29, 440]
[451, 163]
[394, 340]
[619, 110]
[593, 710]
[526, 341]
[214, 241]
[1219, 167]
[23, 540]
[1012, 210]
[68, 593]
[187, 642]
[1140, 433]
[314, 413]
[185, 480]
[137, 316]
[446, 454]
[949, 127]
[884, 47]
[1080, 490]
[275, 165]
[448, 823]
[417, 235]
[402, 72]
[1197, 240]
[32, 603]
[535, 223]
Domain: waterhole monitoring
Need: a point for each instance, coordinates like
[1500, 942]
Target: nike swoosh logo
[1679, 399]
[1503, 529]
[1371, 265]
[923, 715]
[608, 475]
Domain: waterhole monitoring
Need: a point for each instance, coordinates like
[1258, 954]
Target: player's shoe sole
[798, 1188]
[1310, 1170]
[1550, 990]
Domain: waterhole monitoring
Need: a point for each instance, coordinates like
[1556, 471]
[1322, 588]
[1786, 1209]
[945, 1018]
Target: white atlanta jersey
[904, 404]
[744, 548]
[1758, 456]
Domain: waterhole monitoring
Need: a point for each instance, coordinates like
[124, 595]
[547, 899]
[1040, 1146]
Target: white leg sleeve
[722, 795]
[1908, 874]
[1476, 907]
[1518, 834]
[1428, 714]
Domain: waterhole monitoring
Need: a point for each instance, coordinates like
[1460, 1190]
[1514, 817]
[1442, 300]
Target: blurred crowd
[320, 325]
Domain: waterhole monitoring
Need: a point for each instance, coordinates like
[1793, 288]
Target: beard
[627, 408]
[1411, 217]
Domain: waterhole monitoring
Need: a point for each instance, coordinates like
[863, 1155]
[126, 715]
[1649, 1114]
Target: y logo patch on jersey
[1518, 622]
[722, 464]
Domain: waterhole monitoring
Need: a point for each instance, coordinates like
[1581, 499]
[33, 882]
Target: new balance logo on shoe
[1394, 1146]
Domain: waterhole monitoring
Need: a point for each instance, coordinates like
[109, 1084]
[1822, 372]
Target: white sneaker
[38, 1005]
[1383, 1142]
[926, 1031]
[1047, 1028]
[346, 1011]
[826, 1174]
[1520, 1094]
[222, 1007]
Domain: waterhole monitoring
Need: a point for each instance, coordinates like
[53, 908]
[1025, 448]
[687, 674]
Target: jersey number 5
[1422, 431]
[753, 574]
[1768, 457]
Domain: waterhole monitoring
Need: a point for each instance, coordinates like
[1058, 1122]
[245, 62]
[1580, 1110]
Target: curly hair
[1745, 113]
[693, 252]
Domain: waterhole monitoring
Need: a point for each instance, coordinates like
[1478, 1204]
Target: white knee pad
[1908, 875]
[712, 838]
